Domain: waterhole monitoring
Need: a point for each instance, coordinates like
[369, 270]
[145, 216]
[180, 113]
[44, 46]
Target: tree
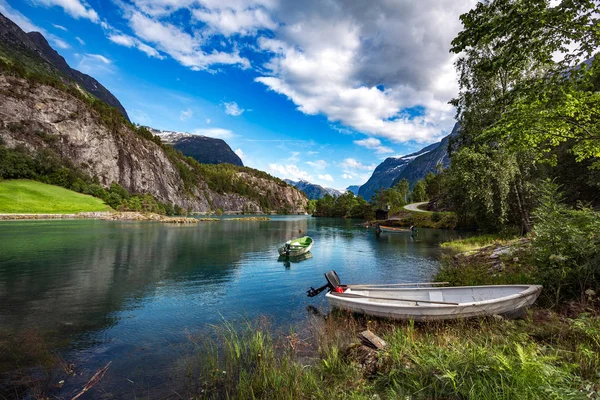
[419, 193]
[512, 91]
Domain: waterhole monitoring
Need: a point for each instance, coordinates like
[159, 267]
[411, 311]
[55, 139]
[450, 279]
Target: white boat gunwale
[529, 290]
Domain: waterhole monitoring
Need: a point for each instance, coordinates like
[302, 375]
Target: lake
[130, 292]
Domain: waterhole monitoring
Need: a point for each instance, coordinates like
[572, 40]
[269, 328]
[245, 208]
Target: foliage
[346, 206]
[566, 244]
[517, 106]
[512, 90]
[419, 193]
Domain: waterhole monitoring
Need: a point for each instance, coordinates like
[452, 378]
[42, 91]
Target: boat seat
[436, 296]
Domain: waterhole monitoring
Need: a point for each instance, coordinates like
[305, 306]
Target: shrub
[566, 243]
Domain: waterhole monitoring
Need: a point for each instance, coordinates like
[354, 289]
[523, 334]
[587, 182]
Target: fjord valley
[420, 206]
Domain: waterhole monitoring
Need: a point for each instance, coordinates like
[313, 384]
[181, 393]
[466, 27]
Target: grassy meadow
[31, 197]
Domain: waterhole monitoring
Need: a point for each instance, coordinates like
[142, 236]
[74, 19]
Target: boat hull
[510, 305]
[294, 252]
[394, 230]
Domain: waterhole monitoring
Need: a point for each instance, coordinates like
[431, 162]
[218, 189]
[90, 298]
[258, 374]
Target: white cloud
[218, 133]
[229, 21]
[351, 163]
[374, 144]
[80, 40]
[240, 154]
[182, 46]
[130, 41]
[207, 121]
[347, 176]
[94, 64]
[99, 58]
[61, 44]
[289, 171]
[62, 28]
[326, 177]
[348, 64]
[232, 108]
[75, 8]
[320, 164]
[186, 114]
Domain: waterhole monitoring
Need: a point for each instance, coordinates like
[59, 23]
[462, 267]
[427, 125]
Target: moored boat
[424, 301]
[392, 229]
[296, 247]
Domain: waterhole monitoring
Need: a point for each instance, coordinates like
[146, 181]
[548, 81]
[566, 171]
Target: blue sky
[322, 91]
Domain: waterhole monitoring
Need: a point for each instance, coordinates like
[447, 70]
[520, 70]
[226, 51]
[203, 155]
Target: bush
[566, 244]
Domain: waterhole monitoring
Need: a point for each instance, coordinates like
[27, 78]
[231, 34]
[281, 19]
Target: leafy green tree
[513, 92]
[419, 192]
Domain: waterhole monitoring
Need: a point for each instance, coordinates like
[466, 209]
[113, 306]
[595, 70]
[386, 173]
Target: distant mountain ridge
[413, 167]
[312, 190]
[20, 45]
[354, 189]
[204, 149]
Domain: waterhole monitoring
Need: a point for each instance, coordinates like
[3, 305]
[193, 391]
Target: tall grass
[481, 359]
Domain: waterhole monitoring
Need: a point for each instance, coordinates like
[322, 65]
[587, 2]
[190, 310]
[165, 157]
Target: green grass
[477, 242]
[31, 197]
[544, 356]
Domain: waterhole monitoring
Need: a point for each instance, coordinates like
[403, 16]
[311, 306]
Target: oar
[388, 298]
[355, 286]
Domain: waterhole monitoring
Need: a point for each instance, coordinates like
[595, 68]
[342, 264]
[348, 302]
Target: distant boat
[422, 301]
[296, 247]
[392, 229]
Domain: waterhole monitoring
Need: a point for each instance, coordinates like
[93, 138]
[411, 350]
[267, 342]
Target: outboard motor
[333, 283]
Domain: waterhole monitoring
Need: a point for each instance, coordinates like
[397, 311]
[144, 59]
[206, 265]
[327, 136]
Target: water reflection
[129, 292]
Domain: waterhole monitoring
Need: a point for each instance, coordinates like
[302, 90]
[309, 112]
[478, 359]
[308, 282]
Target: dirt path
[413, 207]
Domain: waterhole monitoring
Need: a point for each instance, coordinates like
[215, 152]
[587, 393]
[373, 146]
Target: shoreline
[105, 216]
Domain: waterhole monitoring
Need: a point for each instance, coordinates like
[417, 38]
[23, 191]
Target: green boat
[296, 247]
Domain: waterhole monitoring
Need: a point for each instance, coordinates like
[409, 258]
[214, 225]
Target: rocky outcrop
[33, 50]
[39, 116]
[87, 82]
[204, 149]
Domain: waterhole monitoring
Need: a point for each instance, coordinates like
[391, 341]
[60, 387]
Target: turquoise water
[131, 292]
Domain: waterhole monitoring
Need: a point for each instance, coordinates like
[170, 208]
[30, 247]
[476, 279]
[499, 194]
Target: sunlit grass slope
[25, 196]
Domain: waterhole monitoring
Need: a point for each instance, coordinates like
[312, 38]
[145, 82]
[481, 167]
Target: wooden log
[372, 340]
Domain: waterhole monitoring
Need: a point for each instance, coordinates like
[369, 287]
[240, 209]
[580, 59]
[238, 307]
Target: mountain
[354, 189]
[90, 84]
[58, 127]
[312, 190]
[204, 149]
[413, 167]
[32, 50]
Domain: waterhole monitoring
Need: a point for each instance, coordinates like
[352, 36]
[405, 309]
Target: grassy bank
[25, 196]
[545, 356]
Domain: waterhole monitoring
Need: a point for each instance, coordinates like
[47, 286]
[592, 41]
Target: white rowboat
[436, 303]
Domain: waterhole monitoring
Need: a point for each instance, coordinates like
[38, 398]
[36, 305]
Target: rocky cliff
[33, 50]
[413, 167]
[204, 149]
[40, 117]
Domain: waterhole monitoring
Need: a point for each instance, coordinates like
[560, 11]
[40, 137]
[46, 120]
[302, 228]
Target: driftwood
[93, 381]
[372, 340]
